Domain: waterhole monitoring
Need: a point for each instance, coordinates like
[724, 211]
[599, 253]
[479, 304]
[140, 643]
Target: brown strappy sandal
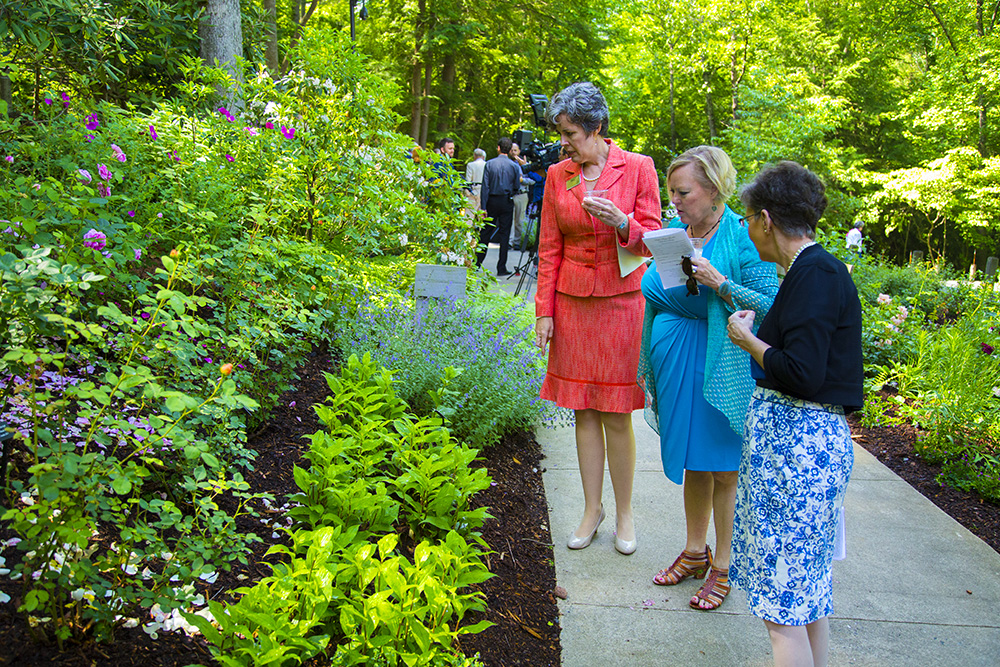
[688, 564]
[713, 591]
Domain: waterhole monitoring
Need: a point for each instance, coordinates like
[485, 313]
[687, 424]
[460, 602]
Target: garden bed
[520, 598]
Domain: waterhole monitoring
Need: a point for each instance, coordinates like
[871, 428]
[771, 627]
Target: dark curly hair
[794, 197]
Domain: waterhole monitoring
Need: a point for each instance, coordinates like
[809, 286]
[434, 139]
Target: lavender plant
[497, 388]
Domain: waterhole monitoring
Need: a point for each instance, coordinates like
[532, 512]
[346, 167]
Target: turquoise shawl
[728, 384]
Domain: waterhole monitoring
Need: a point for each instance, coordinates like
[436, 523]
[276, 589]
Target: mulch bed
[520, 596]
[521, 605]
[893, 446]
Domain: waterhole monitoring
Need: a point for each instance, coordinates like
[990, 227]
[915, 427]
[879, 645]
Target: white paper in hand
[668, 246]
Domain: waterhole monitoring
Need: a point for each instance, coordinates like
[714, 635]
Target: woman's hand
[706, 274]
[544, 328]
[604, 210]
[740, 328]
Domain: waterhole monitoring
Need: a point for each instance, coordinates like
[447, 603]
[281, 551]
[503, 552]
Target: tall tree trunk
[673, 114]
[425, 116]
[980, 97]
[418, 62]
[6, 95]
[447, 94]
[271, 36]
[221, 34]
[706, 78]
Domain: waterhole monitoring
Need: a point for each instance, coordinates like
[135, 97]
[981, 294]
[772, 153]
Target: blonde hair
[714, 169]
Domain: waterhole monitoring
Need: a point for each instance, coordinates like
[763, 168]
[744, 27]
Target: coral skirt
[594, 353]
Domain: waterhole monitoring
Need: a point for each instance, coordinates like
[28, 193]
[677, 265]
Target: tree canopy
[882, 99]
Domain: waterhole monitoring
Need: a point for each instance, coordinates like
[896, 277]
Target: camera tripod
[528, 268]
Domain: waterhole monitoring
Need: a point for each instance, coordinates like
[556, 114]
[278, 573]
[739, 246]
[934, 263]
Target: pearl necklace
[799, 252]
[589, 180]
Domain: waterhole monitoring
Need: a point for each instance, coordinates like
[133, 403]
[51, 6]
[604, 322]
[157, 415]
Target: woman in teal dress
[697, 382]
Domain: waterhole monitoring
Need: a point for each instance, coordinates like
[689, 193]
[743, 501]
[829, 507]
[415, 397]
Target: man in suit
[501, 180]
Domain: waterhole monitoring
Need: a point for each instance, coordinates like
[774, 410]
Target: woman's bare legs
[621, 465]
[800, 645]
[590, 456]
[597, 433]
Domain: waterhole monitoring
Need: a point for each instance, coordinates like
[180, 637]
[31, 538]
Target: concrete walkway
[917, 589]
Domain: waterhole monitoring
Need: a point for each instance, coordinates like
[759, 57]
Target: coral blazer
[577, 254]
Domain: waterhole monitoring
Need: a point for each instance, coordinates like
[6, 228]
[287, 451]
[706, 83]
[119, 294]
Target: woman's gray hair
[792, 195]
[584, 105]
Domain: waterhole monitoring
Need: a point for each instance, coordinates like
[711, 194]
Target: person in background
[520, 199]
[445, 146]
[698, 383]
[855, 239]
[590, 314]
[474, 177]
[797, 449]
[501, 179]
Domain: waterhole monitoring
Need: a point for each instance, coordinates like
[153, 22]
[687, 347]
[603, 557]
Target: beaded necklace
[799, 252]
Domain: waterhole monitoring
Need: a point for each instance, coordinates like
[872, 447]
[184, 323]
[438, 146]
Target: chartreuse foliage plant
[345, 585]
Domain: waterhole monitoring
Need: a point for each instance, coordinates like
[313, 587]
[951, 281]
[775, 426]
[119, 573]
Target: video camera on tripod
[540, 155]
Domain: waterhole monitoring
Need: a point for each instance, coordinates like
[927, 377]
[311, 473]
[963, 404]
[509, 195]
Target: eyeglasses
[745, 220]
[688, 269]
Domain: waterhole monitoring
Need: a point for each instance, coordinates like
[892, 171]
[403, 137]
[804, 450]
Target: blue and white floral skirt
[796, 462]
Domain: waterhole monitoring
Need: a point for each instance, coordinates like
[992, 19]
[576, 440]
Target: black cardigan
[814, 329]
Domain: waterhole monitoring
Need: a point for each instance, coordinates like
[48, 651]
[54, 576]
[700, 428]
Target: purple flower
[10, 158]
[229, 157]
[145, 315]
[131, 214]
[289, 132]
[93, 123]
[159, 215]
[90, 138]
[96, 239]
[152, 133]
[223, 111]
[252, 131]
[65, 98]
[104, 190]
[208, 360]
[269, 125]
[987, 348]
[104, 172]
[138, 254]
[85, 176]
[48, 101]
[119, 153]
[176, 157]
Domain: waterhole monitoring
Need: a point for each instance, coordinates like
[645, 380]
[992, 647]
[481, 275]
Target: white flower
[403, 239]
[883, 299]
[209, 577]
[4, 598]
[131, 623]
[27, 499]
[151, 629]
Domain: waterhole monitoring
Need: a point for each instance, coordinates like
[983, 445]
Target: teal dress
[697, 435]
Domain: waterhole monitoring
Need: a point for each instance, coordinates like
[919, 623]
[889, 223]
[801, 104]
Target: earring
[715, 208]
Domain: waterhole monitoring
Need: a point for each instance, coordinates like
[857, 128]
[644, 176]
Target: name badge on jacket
[573, 182]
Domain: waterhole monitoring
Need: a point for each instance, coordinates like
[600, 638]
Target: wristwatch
[725, 289]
